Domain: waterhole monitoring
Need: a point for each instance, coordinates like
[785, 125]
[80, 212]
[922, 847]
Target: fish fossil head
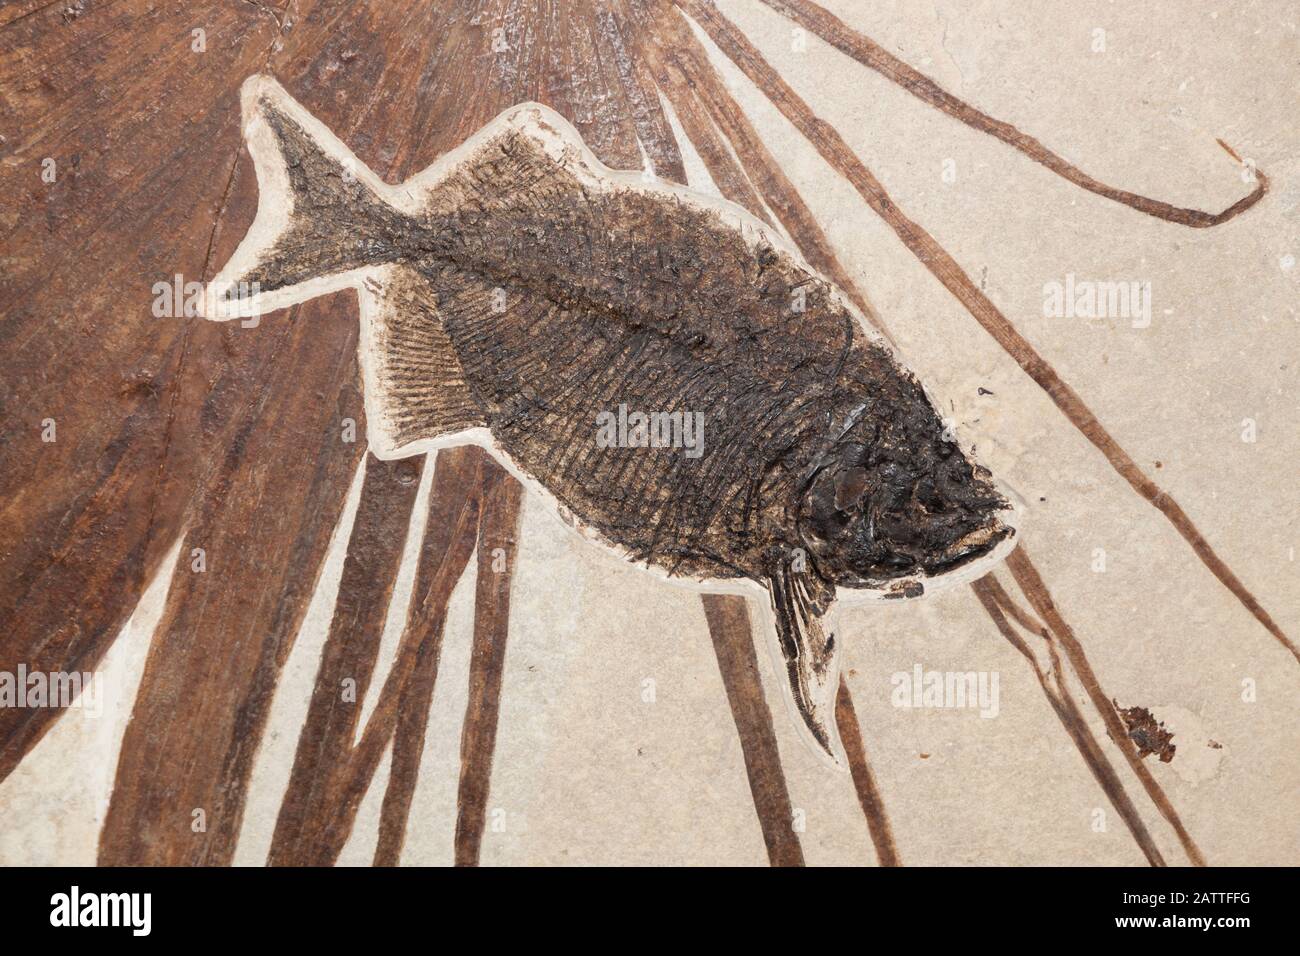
[895, 500]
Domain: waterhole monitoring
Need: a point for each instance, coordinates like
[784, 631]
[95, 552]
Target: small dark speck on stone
[984, 391]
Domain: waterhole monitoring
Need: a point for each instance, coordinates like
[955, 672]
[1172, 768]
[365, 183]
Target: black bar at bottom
[334, 907]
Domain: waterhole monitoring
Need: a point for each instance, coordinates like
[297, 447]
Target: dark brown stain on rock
[1147, 735]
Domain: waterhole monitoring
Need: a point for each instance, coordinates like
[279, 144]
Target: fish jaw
[967, 559]
[969, 548]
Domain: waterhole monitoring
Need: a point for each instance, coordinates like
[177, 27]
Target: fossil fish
[520, 295]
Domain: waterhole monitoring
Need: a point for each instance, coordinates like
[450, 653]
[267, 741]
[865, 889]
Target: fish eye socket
[850, 486]
[827, 524]
[821, 523]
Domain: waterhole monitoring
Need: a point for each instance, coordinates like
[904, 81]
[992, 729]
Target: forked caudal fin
[325, 222]
[322, 215]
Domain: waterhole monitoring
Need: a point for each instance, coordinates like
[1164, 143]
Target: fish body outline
[811, 690]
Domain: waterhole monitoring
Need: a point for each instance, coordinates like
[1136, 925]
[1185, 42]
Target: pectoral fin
[810, 654]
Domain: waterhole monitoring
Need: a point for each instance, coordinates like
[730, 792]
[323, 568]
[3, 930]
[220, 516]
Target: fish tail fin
[322, 215]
